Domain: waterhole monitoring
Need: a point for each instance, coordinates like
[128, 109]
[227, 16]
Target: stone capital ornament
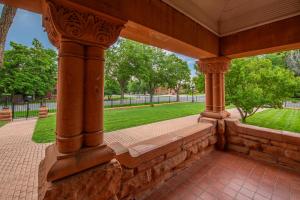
[214, 65]
[65, 22]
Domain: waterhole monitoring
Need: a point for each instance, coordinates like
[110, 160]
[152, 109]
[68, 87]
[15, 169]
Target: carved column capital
[214, 65]
[64, 21]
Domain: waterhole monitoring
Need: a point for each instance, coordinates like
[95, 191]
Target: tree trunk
[177, 95]
[7, 17]
[151, 97]
[122, 95]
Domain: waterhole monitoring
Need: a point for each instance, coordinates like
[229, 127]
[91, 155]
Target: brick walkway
[225, 176]
[19, 160]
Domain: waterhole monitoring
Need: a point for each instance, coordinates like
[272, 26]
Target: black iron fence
[26, 108]
[30, 108]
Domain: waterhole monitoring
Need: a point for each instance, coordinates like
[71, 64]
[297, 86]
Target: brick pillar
[214, 69]
[81, 37]
[6, 115]
[43, 112]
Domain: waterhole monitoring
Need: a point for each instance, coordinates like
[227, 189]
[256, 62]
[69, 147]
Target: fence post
[27, 110]
[145, 100]
[187, 97]
[169, 99]
[158, 99]
[13, 110]
[111, 103]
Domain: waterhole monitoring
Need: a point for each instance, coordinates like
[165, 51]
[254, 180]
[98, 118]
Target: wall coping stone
[147, 150]
[267, 133]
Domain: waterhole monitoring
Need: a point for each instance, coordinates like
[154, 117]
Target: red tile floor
[222, 175]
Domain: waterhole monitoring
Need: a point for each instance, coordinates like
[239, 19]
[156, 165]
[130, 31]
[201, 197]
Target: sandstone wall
[148, 164]
[277, 147]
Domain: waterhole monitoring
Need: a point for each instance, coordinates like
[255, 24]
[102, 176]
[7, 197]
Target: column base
[100, 182]
[215, 115]
[58, 165]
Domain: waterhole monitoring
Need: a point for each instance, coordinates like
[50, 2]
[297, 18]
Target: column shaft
[222, 83]
[70, 97]
[208, 92]
[93, 99]
[217, 97]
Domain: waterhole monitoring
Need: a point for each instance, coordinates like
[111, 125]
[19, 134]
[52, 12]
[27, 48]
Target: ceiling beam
[30, 5]
[276, 36]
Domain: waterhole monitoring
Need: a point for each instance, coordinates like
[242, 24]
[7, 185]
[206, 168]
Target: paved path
[19, 160]
[20, 157]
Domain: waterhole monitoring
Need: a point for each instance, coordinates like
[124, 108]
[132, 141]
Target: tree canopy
[254, 82]
[142, 68]
[28, 70]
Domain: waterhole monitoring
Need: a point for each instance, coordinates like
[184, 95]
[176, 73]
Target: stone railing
[147, 164]
[277, 147]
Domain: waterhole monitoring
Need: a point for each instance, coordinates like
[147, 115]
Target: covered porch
[81, 165]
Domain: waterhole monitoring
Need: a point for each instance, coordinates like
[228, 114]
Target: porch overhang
[159, 24]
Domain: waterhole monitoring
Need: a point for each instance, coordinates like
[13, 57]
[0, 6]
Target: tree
[254, 82]
[177, 73]
[28, 70]
[199, 80]
[136, 86]
[152, 70]
[121, 64]
[110, 87]
[6, 20]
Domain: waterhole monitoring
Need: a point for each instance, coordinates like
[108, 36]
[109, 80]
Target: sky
[28, 25]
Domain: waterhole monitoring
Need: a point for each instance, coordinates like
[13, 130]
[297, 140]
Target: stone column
[70, 89]
[208, 92]
[81, 37]
[214, 69]
[94, 96]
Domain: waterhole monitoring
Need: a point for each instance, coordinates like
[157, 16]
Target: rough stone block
[273, 150]
[289, 163]
[142, 178]
[127, 173]
[151, 163]
[192, 150]
[279, 144]
[213, 139]
[251, 144]
[204, 143]
[170, 163]
[174, 152]
[258, 139]
[240, 149]
[294, 155]
[263, 156]
[235, 140]
[101, 182]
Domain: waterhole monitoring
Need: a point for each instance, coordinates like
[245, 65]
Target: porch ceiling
[224, 17]
[200, 29]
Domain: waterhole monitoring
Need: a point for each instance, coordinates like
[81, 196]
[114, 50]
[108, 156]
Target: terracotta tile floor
[225, 176]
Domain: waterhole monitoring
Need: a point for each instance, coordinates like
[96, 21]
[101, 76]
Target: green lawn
[281, 119]
[2, 123]
[125, 118]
